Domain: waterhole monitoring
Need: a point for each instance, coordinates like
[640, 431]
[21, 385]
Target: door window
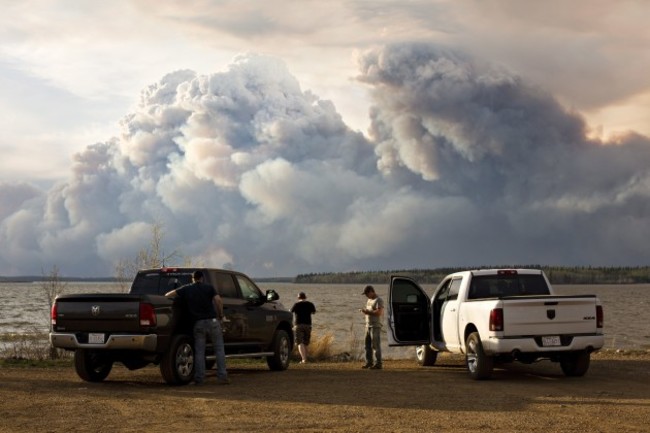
[248, 289]
[453, 289]
[226, 285]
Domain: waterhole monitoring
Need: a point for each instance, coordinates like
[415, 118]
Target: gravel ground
[403, 397]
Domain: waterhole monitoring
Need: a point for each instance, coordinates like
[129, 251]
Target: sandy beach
[613, 396]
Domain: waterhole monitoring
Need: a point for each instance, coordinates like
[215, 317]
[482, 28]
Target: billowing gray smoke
[466, 164]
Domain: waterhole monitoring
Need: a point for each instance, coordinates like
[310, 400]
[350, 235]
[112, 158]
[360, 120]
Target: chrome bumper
[132, 342]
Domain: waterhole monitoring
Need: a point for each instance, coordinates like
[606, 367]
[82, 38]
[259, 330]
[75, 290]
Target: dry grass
[32, 346]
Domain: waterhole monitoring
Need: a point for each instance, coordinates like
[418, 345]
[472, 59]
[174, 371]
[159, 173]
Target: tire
[177, 364]
[92, 365]
[575, 364]
[425, 355]
[281, 346]
[479, 365]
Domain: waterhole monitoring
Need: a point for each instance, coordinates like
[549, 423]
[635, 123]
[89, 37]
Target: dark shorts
[303, 334]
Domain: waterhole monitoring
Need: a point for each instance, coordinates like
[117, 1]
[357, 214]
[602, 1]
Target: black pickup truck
[144, 327]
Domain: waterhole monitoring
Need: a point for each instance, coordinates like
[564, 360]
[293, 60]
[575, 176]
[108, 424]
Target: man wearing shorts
[302, 311]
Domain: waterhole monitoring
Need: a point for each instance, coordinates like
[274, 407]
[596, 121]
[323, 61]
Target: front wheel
[425, 355]
[281, 350]
[92, 365]
[478, 363]
[177, 364]
[575, 363]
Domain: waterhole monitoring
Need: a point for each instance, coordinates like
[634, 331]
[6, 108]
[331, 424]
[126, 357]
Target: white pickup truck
[495, 315]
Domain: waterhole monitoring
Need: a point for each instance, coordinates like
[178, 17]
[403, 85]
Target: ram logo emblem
[550, 314]
[95, 310]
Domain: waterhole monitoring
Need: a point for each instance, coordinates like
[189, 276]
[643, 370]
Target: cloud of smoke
[465, 164]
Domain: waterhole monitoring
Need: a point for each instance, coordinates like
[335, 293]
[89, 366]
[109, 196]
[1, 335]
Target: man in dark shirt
[302, 310]
[205, 308]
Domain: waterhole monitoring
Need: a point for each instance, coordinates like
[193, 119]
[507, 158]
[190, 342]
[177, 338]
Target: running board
[242, 355]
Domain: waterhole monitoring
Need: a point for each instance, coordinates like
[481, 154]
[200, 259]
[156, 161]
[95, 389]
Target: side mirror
[272, 295]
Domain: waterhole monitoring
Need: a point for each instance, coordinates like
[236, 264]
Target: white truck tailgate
[552, 315]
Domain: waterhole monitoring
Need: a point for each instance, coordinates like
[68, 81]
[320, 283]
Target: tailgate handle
[551, 303]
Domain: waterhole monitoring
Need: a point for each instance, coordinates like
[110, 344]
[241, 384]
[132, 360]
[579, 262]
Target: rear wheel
[92, 365]
[281, 350]
[478, 363]
[425, 355]
[177, 364]
[575, 363]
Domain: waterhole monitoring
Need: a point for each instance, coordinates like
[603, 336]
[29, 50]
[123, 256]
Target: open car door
[408, 313]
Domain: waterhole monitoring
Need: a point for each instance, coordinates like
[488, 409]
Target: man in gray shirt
[374, 313]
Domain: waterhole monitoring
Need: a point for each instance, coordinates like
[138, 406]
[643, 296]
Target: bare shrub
[33, 346]
[147, 258]
[357, 349]
[52, 286]
[320, 348]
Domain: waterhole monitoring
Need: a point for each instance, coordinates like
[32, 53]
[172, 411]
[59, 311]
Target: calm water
[24, 309]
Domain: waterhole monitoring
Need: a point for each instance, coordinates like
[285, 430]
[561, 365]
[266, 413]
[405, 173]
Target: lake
[24, 309]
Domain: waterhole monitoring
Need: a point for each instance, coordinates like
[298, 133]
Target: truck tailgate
[99, 313]
[549, 315]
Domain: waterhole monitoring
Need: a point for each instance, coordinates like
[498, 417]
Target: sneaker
[303, 362]
[375, 367]
[223, 381]
[366, 366]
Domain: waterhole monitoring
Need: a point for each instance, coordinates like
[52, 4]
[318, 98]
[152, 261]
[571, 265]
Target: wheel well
[468, 330]
[285, 326]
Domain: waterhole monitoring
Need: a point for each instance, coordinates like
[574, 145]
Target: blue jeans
[373, 344]
[201, 329]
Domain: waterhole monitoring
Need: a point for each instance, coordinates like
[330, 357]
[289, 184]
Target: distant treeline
[556, 274]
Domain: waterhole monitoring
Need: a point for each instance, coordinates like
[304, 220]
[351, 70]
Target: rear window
[157, 283]
[496, 286]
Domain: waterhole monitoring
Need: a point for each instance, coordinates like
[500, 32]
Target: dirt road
[613, 396]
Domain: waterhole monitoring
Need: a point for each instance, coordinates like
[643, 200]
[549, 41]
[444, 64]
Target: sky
[280, 138]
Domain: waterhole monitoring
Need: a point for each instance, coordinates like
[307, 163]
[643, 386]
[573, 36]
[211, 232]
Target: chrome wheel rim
[419, 352]
[284, 351]
[184, 360]
[471, 356]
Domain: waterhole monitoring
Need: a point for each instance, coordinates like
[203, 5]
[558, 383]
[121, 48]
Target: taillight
[53, 315]
[507, 272]
[600, 317]
[496, 319]
[166, 270]
[147, 315]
